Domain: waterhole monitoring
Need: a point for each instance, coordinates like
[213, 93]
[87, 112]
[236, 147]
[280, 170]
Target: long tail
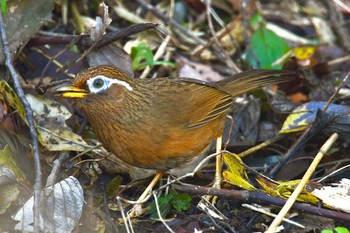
[253, 79]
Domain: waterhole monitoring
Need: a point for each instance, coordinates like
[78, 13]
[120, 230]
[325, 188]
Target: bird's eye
[98, 83]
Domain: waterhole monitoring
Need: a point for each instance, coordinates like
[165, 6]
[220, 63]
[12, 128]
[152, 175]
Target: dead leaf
[60, 210]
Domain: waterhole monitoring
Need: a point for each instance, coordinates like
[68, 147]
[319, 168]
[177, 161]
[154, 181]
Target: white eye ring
[100, 83]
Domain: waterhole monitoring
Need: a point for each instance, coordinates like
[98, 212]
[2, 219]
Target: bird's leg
[217, 178]
[137, 209]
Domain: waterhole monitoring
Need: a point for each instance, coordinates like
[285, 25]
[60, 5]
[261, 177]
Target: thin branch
[160, 214]
[168, 20]
[29, 115]
[304, 136]
[221, 52]
[323, 150]
[259, 198]
[291, 200]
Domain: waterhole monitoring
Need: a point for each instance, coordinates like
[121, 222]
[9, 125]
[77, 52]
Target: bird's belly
[162, 151]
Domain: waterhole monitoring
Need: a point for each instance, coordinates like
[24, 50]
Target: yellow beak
[71, 91]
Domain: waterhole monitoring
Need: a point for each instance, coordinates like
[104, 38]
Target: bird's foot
[136, 211]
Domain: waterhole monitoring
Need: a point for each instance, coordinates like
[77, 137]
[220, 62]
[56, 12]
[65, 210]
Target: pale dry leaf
[54, 134]
[193, 70]
[336, 196]
[60, 211]
[101, 25]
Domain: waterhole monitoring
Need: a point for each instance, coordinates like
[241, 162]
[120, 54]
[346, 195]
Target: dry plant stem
[342, 5]
[77, 18]
[225, 31]
[125, 218]
[120, 34]
[162, 48]
[64, 10]
[261, 145]
[56, 165]
[199, 49]
[260, 198]
[86, 52]
[342, 84]
[54, 39]
[154, 181]
[73, 42]
[47, 56]
[304, 135]
[166, 19]
[159, 214]
[302, 183]
[261, 210]
[157, 177]
[32, 130]
[210, 209]
[145, 194]
[333, 173]
[311, 168]
[191, 174]
[337, 22]
[338, 60]
[86, 42]
[221, 51]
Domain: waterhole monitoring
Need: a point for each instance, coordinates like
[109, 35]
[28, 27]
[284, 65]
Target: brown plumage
[159, 123]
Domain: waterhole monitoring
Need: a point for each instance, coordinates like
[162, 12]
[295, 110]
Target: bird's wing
[191, 104]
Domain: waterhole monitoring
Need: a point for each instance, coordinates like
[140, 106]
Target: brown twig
[106, 39]
[120, 34]
[32, 130]
[260, 198]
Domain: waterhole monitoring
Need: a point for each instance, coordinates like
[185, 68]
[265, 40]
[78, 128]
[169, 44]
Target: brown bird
[159, 123]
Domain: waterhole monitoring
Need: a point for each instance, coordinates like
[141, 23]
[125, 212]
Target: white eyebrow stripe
[123, 83]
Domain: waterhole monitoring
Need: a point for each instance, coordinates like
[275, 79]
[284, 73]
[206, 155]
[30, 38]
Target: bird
[159, 123]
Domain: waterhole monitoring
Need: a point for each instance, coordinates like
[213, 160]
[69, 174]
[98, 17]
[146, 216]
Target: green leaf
[266, 48]
[326, 231]
[3, 6]
[167, 63]
[74, 49]
[341, 230]
[141, 57]
[256, 20]
[164, 204]
[182, 202]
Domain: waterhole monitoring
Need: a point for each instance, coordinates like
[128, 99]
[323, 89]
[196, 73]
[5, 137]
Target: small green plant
[178, 201]
[3, 6]
[142, 56]
[337, 230]
[266, 47]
